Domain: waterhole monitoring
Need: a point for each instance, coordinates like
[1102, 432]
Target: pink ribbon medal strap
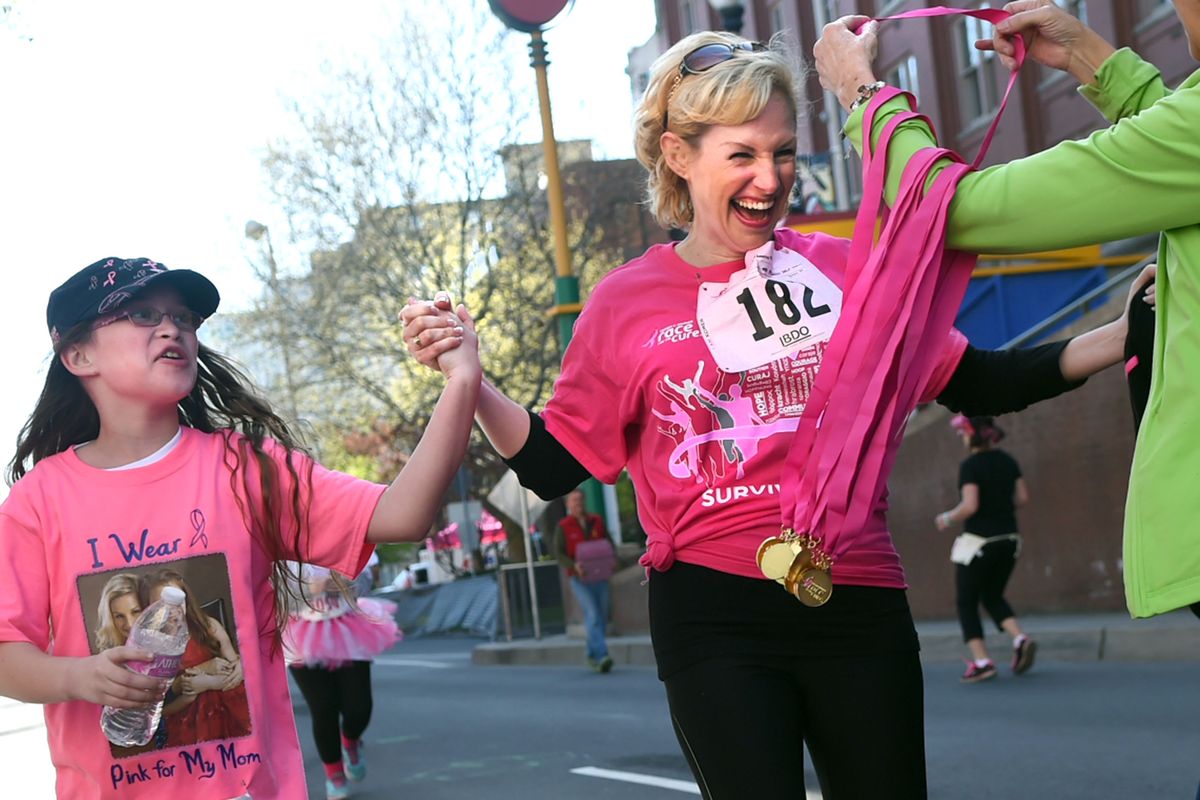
[901, 295]
[992, 15]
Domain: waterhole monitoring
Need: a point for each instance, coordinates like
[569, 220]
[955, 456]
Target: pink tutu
[353, 636]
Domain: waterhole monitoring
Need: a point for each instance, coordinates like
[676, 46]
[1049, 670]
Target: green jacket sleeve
[1133, 178]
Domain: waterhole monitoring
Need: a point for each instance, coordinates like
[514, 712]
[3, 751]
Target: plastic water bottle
[162, 630]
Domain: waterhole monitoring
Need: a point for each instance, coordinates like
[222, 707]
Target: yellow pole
[558, 222]
[566, 285]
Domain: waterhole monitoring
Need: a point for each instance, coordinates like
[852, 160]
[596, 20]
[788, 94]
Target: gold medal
[814, 588]
[762, 548]
[797, 564]
[777, 558]
[807, 577]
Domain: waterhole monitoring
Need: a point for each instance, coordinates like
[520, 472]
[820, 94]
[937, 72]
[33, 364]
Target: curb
[1171, 637]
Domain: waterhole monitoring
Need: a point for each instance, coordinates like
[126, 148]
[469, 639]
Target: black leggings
[983, 581]
[742, 723]
[334, 693]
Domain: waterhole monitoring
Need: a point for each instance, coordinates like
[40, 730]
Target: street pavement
[1089, 721]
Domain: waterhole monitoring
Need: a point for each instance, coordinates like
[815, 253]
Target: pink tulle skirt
[331, 643]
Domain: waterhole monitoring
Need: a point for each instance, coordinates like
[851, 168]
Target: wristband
[866, 92]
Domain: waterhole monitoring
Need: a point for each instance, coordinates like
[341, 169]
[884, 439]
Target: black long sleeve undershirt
[985, 382]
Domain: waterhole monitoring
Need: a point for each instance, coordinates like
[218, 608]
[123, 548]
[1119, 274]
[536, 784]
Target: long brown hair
[197, 620]
[222, 401]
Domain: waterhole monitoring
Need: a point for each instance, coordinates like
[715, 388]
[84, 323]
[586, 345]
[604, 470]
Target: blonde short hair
[118, 585]
[731, 93]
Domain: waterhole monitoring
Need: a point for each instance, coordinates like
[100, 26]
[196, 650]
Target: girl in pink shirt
[150, 455]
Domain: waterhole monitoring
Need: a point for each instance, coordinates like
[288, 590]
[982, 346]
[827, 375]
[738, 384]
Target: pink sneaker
[976, 673]
[1023, 656]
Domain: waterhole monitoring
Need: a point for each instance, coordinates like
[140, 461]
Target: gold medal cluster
[797, 563]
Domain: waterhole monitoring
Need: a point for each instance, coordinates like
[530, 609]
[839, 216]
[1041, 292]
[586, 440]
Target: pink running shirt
[67, 529]
[639, 389]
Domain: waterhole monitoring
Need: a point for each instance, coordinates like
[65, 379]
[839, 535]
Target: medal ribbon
[901, 296]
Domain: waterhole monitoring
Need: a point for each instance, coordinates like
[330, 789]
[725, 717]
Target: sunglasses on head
[706, 57]
[149, 317]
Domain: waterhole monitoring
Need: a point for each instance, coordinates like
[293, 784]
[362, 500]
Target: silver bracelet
[866, 92]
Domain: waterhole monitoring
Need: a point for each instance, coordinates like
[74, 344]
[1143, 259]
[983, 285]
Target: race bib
[775, 307]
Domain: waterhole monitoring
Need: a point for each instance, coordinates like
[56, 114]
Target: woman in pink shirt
[689, 367]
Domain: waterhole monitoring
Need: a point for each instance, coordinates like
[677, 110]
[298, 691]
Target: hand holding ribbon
[901, 297]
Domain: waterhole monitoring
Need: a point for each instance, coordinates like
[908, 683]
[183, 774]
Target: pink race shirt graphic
[717, 419]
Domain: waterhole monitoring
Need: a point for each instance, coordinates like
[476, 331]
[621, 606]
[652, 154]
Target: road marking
[412, 662]
[651, 780]
[633, 777]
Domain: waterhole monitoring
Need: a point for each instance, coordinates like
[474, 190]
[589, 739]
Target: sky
[136, 128]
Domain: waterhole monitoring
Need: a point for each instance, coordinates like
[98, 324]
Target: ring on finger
[417, 340]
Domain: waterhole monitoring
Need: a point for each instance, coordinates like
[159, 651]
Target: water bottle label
[162, 666]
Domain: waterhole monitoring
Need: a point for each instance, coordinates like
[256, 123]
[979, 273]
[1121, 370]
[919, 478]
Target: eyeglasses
[706, 57]
[149, 317]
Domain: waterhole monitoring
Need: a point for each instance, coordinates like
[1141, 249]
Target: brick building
[960, 87]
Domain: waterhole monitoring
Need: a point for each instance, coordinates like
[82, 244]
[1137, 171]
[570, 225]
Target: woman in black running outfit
[991, 487]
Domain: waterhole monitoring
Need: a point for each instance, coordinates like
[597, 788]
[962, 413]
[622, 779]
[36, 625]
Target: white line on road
[633, 777]
[412, 662]
[651, 780]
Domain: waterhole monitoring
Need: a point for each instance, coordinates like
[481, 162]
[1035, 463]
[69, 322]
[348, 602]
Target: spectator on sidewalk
[984, 555]
[580, 542]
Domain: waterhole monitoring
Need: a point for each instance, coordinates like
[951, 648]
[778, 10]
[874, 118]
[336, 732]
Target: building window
[830, 8]
[687, 16]
[1149, 10]
[777, 16]
[978, 93]
[903, 75]
[1076, 8]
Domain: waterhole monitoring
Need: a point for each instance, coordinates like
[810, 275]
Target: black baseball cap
[103, 287]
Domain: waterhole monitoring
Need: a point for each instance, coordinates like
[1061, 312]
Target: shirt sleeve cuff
[1119, 82]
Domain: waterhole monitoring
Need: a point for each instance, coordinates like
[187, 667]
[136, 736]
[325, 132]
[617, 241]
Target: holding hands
[440, 336]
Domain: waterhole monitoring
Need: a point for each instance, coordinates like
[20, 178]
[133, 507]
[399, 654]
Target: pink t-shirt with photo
[640, 389]
[67, 529]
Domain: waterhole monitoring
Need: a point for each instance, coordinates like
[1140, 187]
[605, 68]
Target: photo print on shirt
[207, 700]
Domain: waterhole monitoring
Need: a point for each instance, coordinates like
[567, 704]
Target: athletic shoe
[976, 673]
[336, 788]
[606, 664]
[356, 769]
[594, 664]
[1023, 656]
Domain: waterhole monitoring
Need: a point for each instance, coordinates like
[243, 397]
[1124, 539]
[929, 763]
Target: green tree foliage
[403, 176]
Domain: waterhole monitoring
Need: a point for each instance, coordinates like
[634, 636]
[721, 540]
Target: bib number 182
[786, 310]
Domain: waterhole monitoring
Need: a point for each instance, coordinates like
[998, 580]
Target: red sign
[528, 15]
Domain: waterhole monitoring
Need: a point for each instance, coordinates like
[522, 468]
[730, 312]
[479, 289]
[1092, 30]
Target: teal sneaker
[356, 768]
[336, 788]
